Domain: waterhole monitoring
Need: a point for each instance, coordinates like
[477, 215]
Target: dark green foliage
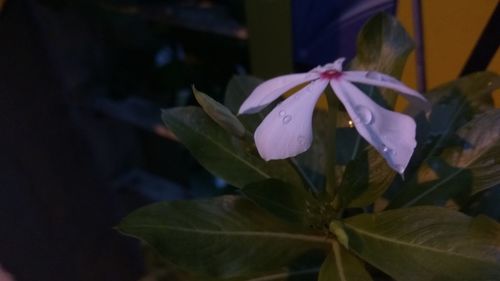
[283, 214]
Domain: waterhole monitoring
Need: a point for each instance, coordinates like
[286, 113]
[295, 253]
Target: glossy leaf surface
[220, 114]
[226, 237]
[427, 243]
[222, 154]
[283, 200]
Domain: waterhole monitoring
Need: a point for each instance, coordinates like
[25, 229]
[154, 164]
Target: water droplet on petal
[364, 114]
[388, 150]
[282, 113]
[373, 75]
[287, 119]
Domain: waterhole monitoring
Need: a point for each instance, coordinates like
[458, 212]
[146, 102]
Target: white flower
[287, 130]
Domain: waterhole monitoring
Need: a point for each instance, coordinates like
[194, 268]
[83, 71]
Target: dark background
[81, 88]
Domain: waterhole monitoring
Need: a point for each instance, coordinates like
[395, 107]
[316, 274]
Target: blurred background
[82, 84]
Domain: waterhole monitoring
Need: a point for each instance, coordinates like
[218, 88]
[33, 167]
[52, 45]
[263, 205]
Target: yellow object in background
[451, 31]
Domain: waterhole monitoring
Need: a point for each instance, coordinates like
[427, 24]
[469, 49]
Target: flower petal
[270, 90]
[287, 129]
[337, 64]
[391, 133]
[386, 81]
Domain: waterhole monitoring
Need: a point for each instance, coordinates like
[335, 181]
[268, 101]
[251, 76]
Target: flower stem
[331, 183]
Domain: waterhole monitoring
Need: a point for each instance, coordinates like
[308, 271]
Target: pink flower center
[330, 74]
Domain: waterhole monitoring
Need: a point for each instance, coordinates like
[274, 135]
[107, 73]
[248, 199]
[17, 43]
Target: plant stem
[331, 184]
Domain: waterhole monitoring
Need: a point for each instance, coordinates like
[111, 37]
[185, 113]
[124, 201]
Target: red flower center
[330, 74]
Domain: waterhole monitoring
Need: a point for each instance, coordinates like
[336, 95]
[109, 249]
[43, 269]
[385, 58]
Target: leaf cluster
[379, 226]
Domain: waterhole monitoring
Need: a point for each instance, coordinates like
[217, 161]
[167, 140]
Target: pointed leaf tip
[220, 114]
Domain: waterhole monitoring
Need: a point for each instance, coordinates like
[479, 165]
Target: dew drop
[388, 150]
[364, 114]
[287, 119]
[282, 113]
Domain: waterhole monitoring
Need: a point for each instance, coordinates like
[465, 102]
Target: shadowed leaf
[427, 243]
[220, 114]
[225, 237]
[222, 154]
[237, 90]
[281, 199]
[383, 45]
[344, 267]
[365, 179]
[461, 170]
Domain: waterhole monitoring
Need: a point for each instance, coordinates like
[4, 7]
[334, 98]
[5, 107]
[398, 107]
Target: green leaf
[480, 152]
[222, 154]
[484, 203]
[302, 273]
[365, 179]
[225, 237]
[281, 199]
[343, 266]
[220, 114]
[463, 170]
[455, 103]
[427, 243]
[472, 91]
[281, 275]
[383, 45]
[237, 91]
